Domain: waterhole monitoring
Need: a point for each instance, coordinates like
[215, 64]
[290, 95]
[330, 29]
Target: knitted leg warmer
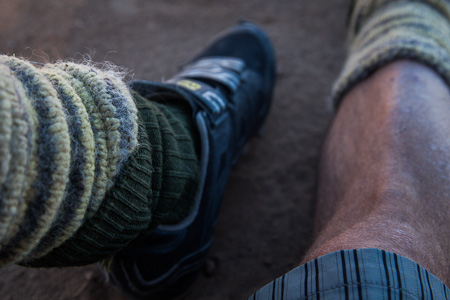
[81, 174]
[381, 31]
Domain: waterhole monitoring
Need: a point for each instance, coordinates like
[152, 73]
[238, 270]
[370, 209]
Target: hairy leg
[385, 169]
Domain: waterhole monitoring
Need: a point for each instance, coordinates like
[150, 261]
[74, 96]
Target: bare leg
[385, 169]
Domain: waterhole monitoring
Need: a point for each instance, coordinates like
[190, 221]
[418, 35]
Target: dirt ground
[265, 224]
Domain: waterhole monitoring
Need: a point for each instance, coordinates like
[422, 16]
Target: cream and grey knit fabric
[381, 31]
[86, 165]
[65, 132]
[156, 185]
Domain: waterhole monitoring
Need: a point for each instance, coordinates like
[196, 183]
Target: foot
[229, 87]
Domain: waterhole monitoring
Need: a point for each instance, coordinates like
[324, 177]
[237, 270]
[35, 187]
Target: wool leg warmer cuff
[82, 172]
[381, 31]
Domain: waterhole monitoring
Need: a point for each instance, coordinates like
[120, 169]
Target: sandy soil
[266, 220]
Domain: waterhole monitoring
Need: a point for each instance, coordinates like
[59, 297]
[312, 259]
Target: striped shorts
[356, 274]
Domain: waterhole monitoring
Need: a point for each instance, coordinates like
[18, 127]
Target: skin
[385, 169]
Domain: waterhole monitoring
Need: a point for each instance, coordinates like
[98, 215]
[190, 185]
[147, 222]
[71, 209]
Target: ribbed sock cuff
[175, 157]
[122, 216]
[382, 31]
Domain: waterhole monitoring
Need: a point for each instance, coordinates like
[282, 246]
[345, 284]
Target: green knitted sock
[381, 31]
[175, 163]
[83, 172]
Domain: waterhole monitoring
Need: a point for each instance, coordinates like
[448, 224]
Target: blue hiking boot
[229, 87]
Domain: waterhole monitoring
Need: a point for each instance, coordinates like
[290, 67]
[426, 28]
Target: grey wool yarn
[381, 31]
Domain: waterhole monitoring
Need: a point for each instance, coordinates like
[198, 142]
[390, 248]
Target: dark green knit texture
[156, 186]
[175, 161]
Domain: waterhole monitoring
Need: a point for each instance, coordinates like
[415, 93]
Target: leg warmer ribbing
[71, 128]
[381, 31]
[82, 172]
[124, 213]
